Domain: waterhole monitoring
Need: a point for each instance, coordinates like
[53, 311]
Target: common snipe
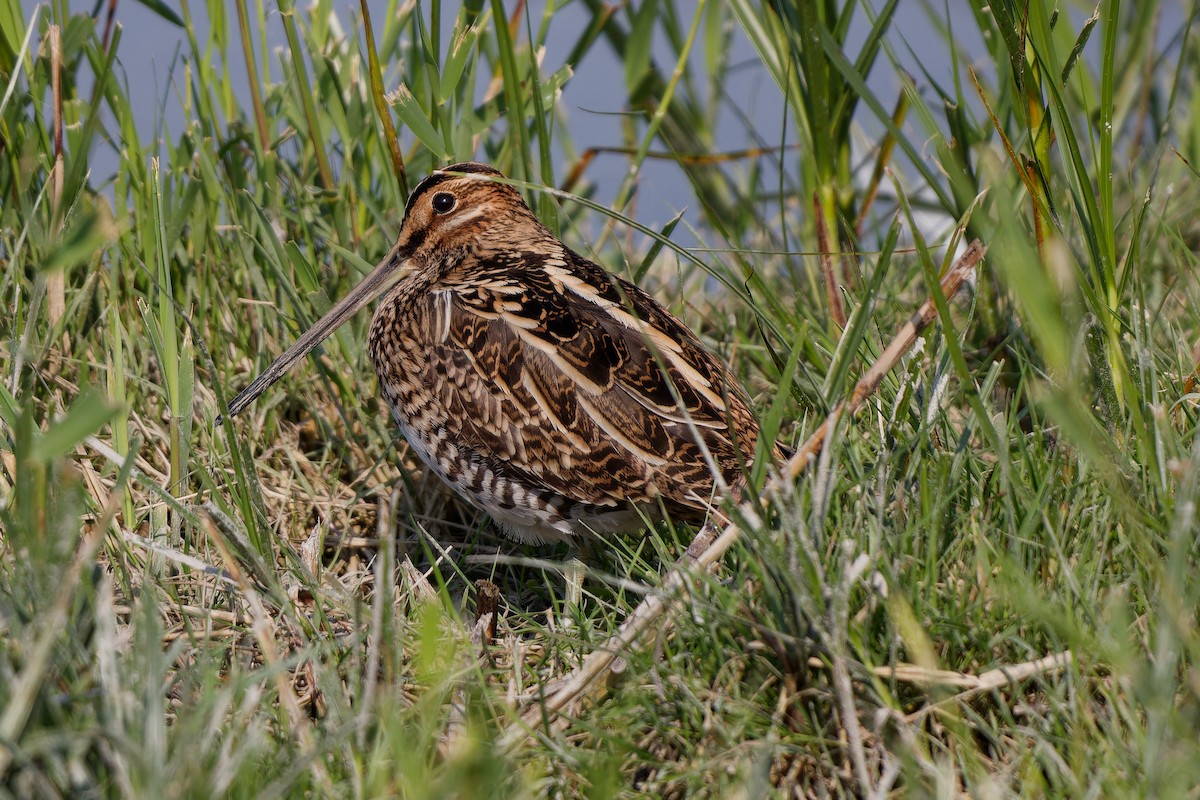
[556, 397]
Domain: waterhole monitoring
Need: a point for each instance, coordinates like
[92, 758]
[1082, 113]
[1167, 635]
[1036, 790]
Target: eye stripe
[462, 218]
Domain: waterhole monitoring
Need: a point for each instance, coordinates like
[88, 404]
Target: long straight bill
[378, 281]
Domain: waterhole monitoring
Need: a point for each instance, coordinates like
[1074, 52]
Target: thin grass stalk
[202, 85]
[381, 107]
[260, 113]
[109, 18]
[56, 302]
[166, 330]
[1018, 163]
[825, 253]
[518, 135]
[1106, 227]
[882, 160]
[548, 212]
[117, 392]
[306, 91]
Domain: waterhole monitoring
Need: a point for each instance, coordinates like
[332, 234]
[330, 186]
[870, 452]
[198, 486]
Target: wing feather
[586, 387]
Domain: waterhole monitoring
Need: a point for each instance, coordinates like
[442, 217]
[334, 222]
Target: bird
[564, 401]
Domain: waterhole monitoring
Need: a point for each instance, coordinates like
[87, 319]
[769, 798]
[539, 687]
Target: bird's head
[454, 210]
[462, 207]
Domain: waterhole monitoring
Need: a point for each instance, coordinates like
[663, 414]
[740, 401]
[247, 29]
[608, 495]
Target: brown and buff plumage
[558, 398]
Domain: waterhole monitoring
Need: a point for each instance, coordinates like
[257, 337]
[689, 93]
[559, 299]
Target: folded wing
[579, 383]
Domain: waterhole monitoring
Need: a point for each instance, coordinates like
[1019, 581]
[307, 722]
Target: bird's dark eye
[443, 202]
